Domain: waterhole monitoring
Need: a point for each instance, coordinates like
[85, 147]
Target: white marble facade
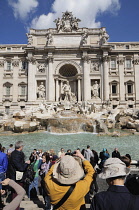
[82, 59]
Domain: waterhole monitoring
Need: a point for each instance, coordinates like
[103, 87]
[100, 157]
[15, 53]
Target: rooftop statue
[67, 23]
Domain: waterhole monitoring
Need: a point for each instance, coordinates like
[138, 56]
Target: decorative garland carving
[136, 61]
[15, 63]
[50, 59]
[105, 58]
[31, 60]
[120, 61]
[1, 63]
[86, 58]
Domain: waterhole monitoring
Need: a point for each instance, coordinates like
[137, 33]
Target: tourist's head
[126, 160]
[62, 149]
[11, 145]
[129, 156]
[68, 170]
[104, 150]
[19, 145]
[69, 151]
[45, 157]
[88, 146]
[114, 168]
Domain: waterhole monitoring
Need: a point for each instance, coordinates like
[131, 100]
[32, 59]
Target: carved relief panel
[94, 66]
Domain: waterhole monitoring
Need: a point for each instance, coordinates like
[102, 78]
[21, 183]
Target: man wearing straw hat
[117, 197]
[68, 173]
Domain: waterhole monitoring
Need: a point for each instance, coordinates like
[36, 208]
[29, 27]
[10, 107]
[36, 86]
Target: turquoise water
[47, 141]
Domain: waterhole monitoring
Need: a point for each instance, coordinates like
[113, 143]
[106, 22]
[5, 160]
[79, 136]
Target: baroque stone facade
[69, 63]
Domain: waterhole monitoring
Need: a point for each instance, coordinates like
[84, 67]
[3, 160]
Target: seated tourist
[67, 175]
[116, 153]
[16, 201]
[117, 197]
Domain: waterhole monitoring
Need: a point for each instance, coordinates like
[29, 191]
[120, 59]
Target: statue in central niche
[67, 91]
[66, 94]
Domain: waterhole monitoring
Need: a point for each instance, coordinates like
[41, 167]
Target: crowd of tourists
[67, 180]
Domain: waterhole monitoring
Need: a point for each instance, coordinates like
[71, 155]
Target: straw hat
[114, 167]
[68, 170]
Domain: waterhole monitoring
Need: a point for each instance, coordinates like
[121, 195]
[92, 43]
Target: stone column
[31, 79]
[51, 84]
[57, 89]
[86, 79]
[1, 79]
[79, 89]
[15, 66]
[105, 78]
[136, 67]
[121, 80]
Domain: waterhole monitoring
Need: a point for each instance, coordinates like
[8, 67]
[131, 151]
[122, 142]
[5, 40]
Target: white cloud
[22, 8]
[86, 10]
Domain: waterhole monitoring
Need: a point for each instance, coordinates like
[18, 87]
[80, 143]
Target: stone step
[36, 203]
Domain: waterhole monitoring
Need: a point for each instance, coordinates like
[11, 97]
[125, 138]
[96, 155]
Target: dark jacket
[16, 163]
[115, 198]
[116, 154]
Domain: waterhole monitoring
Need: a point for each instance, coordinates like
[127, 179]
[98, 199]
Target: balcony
[8, 73]
[22, 72]
[128, 71]
[113, 71]
[130, 96]
[22, 98]
[7, 98]
[114, 96]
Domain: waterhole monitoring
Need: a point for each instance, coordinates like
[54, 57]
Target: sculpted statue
[58, 24]
[105, 37]
[95, 89]
[84, 38]
[75, 23]
[49, 39]
[66, 94]
[41, 91]
[30, 39]
[67, 91]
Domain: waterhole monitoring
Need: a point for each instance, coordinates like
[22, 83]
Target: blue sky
[120, 17]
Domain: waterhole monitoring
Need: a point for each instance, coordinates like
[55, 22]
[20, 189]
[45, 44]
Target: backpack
[29, 174]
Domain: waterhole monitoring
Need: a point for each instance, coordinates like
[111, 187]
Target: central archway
[68, 72]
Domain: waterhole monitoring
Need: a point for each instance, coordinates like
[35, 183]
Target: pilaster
[51, 84]
[120, 62]
[1, 78]
[86, 78]
[15, 64]
[106, 78]
[136, 67]
[31, 79]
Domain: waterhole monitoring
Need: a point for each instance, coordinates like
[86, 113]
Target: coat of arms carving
[67, 23]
